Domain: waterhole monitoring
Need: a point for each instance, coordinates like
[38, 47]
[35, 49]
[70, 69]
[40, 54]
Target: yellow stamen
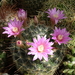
[60, 37]
[41, 48]
[55, 15]
[15, 29]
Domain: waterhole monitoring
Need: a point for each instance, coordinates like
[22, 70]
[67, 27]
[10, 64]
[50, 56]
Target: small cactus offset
[37, 49]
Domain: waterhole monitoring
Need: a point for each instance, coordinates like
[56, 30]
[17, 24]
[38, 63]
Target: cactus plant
[69, 61]
[6, 12]
[2, 57]
[20, 55]
[39, 34]
[24, 61]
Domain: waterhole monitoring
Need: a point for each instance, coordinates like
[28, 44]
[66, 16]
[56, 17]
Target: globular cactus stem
[25, 62]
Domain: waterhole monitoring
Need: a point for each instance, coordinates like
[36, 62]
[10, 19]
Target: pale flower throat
[60, 37]
[15, 29]
[41, 48]
[55, 15]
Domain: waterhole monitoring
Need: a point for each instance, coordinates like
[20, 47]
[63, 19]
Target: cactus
[6, 12]
[69, 61]
[2, 59]
[24, 61]
[69, 64]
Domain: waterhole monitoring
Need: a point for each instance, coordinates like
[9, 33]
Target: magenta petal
[34, 39]
[35, 57]
[5, 32]
[56, 21]
[51, 52]
[40, 56]
[22, 29]
[45, 57]
[32, 49]
[9, 35]
[32, 53]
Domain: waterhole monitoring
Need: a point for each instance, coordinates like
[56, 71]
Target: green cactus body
[2, 58]
[2, 54]
[24, 61]
[69, 61]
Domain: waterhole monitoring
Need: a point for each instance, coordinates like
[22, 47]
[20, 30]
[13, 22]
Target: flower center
[15, 29]
[55, 15]
[41, 48]
[60, 37]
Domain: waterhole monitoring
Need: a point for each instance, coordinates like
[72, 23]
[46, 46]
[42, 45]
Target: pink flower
[14, 28]
[22, 14]
[41, 47]
[54, 15]
[61, 36]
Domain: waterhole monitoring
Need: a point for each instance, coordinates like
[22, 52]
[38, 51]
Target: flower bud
[22, 14]
[35, 20]
[19, 43]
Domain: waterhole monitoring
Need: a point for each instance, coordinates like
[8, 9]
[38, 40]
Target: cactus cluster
[24, 61]
[2, 58]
